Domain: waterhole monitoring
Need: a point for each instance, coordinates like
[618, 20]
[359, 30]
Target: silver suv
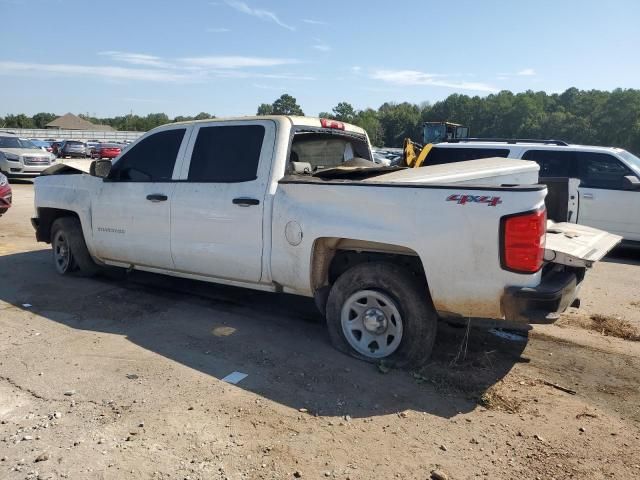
[20, 158]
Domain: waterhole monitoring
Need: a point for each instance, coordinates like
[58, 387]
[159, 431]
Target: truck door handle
[587, 195]
[157, 197]
[246, 202]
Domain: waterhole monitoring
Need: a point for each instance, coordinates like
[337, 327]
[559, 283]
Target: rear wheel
[70, 252]
[382, 312]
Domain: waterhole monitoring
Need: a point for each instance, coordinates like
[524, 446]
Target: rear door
[218, 206]
[131, 210]
[556, 171]
[604, 201]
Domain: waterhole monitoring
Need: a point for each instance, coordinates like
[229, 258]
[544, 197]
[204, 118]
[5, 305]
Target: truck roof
[292, 119]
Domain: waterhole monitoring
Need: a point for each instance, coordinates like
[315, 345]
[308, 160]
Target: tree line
[593, 117]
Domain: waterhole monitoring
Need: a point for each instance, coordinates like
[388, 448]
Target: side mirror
[100, 168]
[631, 182]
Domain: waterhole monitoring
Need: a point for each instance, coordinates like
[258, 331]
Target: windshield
[434, 133]
[632, 160]
[15, 142]
[29, 144]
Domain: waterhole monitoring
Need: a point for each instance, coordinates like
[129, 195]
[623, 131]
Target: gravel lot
[112, 379]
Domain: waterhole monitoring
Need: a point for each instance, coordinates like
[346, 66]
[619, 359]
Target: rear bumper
[555, 293]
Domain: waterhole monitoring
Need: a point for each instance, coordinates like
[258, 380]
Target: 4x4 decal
[464, 199]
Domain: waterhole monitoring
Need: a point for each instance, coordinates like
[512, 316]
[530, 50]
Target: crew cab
[589, 185]
[296, 205]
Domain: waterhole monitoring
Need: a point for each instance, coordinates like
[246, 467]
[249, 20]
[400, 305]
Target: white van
[606, 192]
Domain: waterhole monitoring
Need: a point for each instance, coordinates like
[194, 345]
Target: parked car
[296, 205]
[106, 150]
[72, 148]
[91, 146]
[55, 147]
[19, 158]
[5, 194]
[606, 193]
[44, 145]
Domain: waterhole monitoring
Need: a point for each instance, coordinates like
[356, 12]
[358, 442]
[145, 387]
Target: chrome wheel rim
[371, 323]
[61, 253]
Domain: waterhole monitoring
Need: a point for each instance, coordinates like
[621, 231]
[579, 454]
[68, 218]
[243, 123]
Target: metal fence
[100, 135]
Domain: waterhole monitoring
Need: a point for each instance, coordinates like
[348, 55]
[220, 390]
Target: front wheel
[70, 252]
[382, 312]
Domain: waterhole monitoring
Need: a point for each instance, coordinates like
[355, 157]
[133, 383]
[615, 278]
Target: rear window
[441, 155]
[71, 142]
[321, 150]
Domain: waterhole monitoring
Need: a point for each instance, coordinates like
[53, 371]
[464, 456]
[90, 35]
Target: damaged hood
[68, 168]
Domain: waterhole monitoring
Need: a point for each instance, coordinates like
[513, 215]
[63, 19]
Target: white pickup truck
[295, 205]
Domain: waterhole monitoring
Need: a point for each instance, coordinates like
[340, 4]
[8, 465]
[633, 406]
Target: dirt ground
[112, 379]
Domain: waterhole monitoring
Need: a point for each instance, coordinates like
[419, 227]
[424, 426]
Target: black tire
[410, 297]
[80, 261]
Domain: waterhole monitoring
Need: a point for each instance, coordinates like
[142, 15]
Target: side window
[476, 153]
[226, 154]
[553, 163]
[600, 170]
[439, 156]
[150, 160]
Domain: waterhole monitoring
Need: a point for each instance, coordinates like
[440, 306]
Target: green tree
[41, 119]
[399, 121]
[18, 121]
[265, 109]
[344, 112]
[287, 105]
[203, 116]
[368, 119]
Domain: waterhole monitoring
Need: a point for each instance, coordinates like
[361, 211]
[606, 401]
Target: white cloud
[314, 22]
[232, 62]
[322, 47]
[262, 86]
[527, 72]
[109, 72]
[356, 69]
[135, 58]
[413, 77]
[257, 12]
[218, 30]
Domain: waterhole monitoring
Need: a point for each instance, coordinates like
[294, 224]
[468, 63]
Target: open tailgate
[577, 245]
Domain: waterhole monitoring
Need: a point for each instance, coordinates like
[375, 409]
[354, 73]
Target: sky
[226, 57]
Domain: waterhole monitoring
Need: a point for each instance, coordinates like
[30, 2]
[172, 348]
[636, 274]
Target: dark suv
[72, 148]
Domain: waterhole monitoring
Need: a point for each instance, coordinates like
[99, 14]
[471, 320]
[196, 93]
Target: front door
[131, 211]
[604, 201]
[218, 206]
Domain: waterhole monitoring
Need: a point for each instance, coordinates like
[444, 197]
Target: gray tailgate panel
[577, 245]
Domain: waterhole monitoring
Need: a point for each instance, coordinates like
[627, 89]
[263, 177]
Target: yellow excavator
[414, 154]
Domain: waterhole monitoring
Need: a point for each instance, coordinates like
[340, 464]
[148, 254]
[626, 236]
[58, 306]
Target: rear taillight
[523, 240]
